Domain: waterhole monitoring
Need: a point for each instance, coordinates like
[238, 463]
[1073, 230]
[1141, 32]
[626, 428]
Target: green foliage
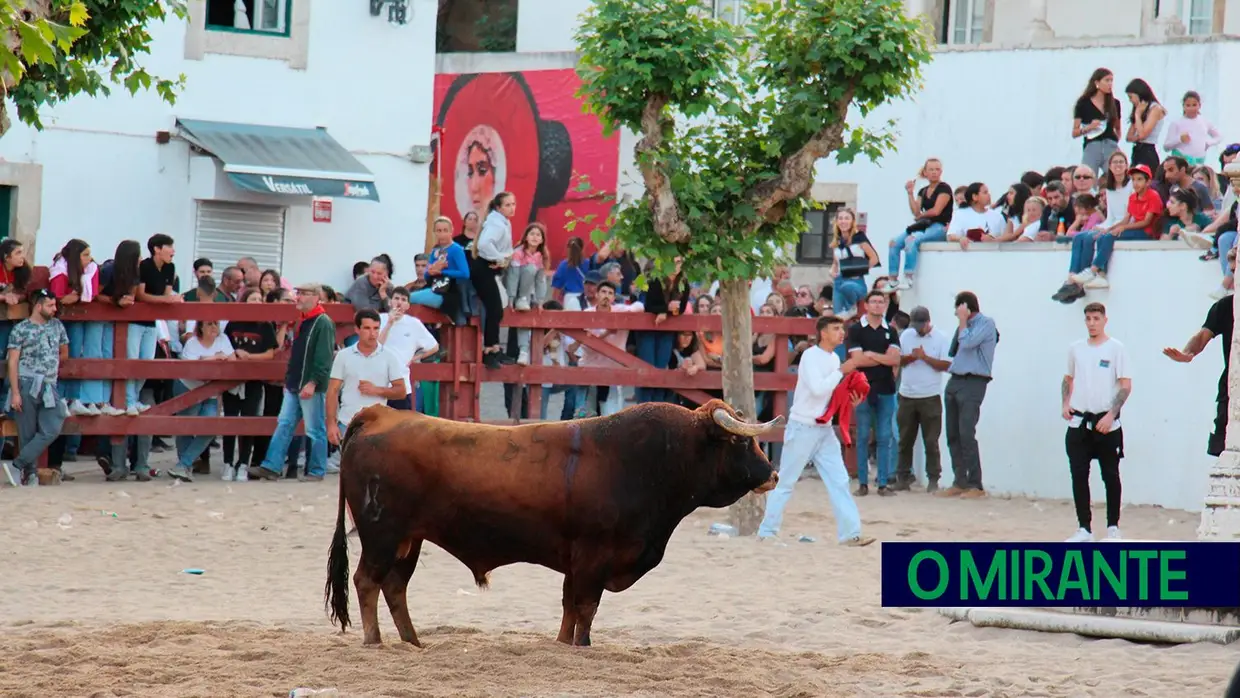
[742, 102]
[82, 47]
[497, 27]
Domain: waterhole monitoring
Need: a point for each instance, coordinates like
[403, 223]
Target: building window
[1198, 16]
[8, 199]
[729, 11]
[814, 246]
[259, 16]
[964, 22]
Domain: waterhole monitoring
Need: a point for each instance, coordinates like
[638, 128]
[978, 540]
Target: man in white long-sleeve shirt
[820, 371]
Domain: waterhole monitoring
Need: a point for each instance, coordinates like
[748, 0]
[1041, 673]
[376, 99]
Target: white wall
[991, 115]
[1158, 298]
[367, 81]
[548, 25]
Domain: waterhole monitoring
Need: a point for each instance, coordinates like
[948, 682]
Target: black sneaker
[492, 361]
[1063, 291]
[1075, 293]
[932, 487]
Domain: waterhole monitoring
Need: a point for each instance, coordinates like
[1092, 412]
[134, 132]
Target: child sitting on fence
[525, 279]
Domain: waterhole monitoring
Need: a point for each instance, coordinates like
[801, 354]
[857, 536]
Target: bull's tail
[336, 590]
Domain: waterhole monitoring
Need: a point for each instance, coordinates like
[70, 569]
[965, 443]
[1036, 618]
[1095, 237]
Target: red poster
[525, 133]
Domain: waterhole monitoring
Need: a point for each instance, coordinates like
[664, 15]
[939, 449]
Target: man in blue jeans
[305, 390]
[875, 347]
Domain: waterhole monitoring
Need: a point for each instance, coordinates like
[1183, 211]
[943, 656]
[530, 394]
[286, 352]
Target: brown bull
[595, 499]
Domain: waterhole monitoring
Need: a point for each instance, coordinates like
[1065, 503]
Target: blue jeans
[426, 297]
[314, 411]
[570, 401]
[847, 292]
[877, 412]
[141, 345]
[655, 348]
[1225, 242]
[86, 342]
[1093, 248]
[911, 243]
[190, 447]
[1105, 245]
[803, 443]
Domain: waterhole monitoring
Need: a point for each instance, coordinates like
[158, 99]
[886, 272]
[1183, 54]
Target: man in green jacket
[305, 389]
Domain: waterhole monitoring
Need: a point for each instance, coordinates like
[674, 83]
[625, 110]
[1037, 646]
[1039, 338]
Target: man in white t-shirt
[405, 336]
[605, 303]
[1094, 391]
[819, 372]
[924, 360]
[363, 375]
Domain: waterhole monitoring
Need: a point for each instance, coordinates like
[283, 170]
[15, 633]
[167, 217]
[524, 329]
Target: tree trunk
[747, 513]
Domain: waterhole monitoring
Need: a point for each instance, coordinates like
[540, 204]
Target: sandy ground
[95, 603]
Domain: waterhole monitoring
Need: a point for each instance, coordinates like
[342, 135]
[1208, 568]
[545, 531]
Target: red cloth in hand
[840, 403]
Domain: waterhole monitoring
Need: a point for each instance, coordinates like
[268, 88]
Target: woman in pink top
[74, 278]
[1191, 135]
[525, 279]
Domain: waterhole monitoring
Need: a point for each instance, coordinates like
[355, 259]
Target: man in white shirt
[820, 371]
[363, 375]
[1094, 391]
[405, 336]
[924, 360]
[605, 303]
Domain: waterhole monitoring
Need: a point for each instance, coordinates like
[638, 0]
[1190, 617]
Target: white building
[318, 97]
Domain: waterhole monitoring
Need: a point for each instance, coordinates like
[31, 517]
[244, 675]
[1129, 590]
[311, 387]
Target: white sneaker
[109, 410]
[1197, 241]
[230, 473]
[1113, 533]
[1081, 536]
[890, 286]
[242, 474]
[1098, 282]
[133, 411]
[521, 304]
[142, 407]
[906, 283]
[523, 357]
[78, 409]
[1221, 292]
[11, 474]
[1083, 277]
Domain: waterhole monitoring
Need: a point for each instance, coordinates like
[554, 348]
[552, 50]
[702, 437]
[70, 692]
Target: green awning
[281, 160]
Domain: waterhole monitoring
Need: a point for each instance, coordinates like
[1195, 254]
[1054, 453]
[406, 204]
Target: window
[815, 244]
[729, 11]
[260, 16]
[964, 22]
[1198, 16]
[7, 200]
[229, 231]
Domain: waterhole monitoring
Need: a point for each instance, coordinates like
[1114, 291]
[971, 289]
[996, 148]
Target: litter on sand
[193, 570]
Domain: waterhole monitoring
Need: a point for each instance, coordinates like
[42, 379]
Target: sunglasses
[1082, 176]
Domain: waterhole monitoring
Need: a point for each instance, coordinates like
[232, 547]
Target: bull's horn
[736, 426]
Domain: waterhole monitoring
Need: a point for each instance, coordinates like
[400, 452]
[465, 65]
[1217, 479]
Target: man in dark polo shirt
[875, 346]
[1219, 322]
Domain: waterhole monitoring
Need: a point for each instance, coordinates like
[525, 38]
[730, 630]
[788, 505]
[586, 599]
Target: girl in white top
[1191, 135]
[976, 214]
[1116, 188]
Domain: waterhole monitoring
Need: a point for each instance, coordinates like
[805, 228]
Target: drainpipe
[1039, 29]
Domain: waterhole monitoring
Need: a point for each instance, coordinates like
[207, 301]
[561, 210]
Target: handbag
[441, 284]
[854, 265]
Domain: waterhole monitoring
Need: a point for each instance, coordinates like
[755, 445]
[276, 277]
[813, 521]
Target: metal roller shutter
[229, 231]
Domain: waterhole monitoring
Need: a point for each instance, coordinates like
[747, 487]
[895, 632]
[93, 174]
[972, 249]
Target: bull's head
[743, 467]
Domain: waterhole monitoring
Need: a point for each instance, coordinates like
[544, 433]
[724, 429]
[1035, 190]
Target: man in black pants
[1219, 321]
[1094, 391]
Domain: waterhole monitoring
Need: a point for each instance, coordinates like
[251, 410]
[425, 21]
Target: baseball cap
[1143, 169]
[918, 318]
[309, 288]
[594, 277]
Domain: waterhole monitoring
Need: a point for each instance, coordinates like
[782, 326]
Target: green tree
[732, 121]
[56, 49]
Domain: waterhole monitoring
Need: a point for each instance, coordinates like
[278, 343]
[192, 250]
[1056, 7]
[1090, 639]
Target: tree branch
[796, 171]
[662, 200]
